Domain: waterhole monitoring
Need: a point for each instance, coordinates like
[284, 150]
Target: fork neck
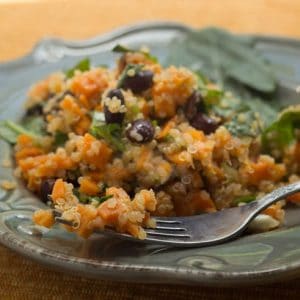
[278, 194]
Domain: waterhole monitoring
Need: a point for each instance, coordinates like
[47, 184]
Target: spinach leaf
[111, 133]
[281, 133]
[83, 65]
[122, 49]
[222, 56]
[9, 131]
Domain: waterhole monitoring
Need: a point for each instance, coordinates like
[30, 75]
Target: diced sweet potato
[88, 186]
[43, 218]
[58, 190]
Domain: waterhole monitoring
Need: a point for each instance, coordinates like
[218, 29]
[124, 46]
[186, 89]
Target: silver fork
[211, 228]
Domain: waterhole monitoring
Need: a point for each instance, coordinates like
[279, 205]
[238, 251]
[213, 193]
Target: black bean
[46, 189]
[140, 131]
[117, 117]
[116, 93]
[204, 123]
[141, 81]
[36, 110]
[72, 177]
[194, 105]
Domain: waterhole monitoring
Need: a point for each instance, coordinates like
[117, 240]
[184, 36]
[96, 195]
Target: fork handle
[277, 195]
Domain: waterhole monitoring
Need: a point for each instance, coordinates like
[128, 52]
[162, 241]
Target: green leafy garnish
[169, 138]
[9, 131]
[244, 199]
[111, 133]
[222, 56]
[124, 74]
[90, 199]
[102, 199]
[154, 123]
[211, 96]
[281, 133]
[83, 65]
[60, 139]
[132, 112]
[122, 49]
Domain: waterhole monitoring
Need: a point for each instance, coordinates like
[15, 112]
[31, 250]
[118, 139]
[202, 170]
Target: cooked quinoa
[120, 146]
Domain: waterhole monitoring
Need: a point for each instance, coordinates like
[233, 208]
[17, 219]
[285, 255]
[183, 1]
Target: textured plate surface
[251, 259]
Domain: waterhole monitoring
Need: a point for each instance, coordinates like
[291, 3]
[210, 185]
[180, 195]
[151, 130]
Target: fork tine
[170, 228]
[151, 232]
[166, 221]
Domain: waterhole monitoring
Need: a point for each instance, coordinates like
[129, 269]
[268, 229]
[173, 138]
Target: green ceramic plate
[251, 259]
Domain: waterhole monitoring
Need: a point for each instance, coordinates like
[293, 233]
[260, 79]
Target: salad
[115, 147]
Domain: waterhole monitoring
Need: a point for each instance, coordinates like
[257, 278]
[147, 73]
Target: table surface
[24, 22]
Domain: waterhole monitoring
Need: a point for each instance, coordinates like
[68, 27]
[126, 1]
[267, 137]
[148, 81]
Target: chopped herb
[135, 109]
[212, 96]
[83, 65]
[111, 133]
[90, 199]
[122, 49]
[102, 199]
[169, 138]
[132, 112]
[244, 199]
[60, 138]
[123, 76]
[154, 123]
[76, 193]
